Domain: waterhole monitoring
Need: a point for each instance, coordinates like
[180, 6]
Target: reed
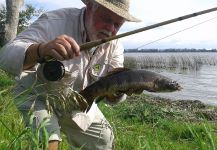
[14, 135]
[141, 124]
[137, 124]
[178, 61]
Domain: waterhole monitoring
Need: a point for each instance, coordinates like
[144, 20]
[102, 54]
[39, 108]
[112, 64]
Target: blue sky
[202, 35]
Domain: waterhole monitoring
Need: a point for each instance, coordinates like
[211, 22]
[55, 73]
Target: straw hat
[120, 7]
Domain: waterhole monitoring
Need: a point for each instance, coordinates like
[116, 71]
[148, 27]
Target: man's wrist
[40, 57]
[38, 50]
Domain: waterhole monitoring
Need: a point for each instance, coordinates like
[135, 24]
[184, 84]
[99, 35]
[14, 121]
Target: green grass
[140, 125]
[137, 125]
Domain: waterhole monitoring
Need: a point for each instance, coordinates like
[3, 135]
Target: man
[58, 34]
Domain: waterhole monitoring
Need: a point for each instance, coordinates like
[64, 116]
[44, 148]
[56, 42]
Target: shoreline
[193, 110]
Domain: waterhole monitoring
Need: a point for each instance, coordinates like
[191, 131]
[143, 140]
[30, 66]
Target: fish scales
[123, 81]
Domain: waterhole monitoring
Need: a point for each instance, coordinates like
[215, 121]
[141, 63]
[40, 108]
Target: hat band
[118, 4]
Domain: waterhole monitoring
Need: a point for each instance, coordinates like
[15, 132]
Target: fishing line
[176, 32]
[91, 44]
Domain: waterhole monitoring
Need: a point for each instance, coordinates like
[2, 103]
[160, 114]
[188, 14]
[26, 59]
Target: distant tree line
[168, 50]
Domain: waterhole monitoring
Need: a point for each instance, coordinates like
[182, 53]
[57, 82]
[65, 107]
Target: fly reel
[52, 70]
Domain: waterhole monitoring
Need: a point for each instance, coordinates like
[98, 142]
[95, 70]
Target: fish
[124, 80]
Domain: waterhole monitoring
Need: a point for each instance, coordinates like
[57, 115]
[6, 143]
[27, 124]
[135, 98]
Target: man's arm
[31, 56]
[21, 53]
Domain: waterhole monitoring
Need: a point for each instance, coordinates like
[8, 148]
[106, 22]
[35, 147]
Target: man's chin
[93, 39]
[102, 36]
[99, 37]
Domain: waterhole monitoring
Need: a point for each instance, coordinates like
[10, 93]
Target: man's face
[102, 23]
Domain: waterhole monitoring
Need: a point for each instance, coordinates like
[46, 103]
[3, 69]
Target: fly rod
[92, 44]
[54, 70]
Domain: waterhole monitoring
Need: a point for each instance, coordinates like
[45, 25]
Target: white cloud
[2, 2]
[155, 11]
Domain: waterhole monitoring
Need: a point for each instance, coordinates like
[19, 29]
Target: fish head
[166, 85]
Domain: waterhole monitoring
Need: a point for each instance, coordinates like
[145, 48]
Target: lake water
[197, 84]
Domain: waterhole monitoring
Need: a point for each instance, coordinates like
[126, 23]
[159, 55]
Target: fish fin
[117, 70]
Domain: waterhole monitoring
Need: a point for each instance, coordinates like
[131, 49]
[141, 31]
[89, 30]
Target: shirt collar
[83, 29]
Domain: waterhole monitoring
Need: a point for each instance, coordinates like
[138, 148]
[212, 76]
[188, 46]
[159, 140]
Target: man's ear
[89, 6]
[85, 1]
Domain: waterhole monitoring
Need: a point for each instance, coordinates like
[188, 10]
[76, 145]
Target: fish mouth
[166, 85]
[174, 86]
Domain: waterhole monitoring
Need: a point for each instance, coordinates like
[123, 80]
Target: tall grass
[180, 61]
[14, 135]
[137, 124]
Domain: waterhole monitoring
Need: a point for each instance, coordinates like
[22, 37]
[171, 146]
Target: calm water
[197, 85]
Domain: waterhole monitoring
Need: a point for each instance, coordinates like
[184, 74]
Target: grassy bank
[141, 122]
[145, 122]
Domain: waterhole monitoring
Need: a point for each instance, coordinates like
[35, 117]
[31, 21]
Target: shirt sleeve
[13, 54]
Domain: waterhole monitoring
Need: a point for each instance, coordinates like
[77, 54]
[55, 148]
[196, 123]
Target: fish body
[129, 79]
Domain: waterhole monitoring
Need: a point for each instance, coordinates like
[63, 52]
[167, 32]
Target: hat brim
[116, 10]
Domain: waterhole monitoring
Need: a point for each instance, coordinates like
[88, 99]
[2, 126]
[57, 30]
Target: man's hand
[118, 97]
[114, 98]
[129, 92]
[62, 48]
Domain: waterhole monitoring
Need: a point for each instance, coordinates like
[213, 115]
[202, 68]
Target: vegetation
[146, 123]
[141, 122]
[25, 15]
[168, 50]
[175, 61]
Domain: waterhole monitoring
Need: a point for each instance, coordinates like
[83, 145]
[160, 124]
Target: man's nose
[111, 27]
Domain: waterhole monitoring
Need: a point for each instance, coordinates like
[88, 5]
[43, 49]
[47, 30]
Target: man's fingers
[140, 91]
[129, 92]
[74, 46]
[62, 48]
[67, 48]
[55, 54]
